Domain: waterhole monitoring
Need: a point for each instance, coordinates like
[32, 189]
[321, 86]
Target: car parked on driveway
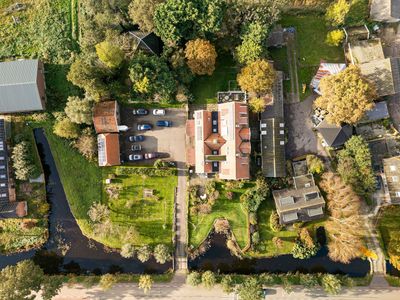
[159, 112]
[136, 138]
[143, 127]
[140, 111]
[135, 157]
[164, 123]
[136, 147]
[150, 155]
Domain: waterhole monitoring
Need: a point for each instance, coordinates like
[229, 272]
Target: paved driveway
[301, 138]
[168, 141]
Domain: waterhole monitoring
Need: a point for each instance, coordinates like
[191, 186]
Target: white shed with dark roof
[22, 86]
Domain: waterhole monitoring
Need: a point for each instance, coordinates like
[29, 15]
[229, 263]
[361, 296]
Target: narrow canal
[86, 255]
[219, 259]
[81, 255]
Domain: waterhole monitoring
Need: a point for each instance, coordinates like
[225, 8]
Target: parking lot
[168, 142]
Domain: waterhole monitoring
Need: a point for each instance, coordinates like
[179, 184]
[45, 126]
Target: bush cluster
[145, 171]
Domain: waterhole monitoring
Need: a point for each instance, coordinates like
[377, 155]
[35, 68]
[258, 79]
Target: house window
[393, 168]
[397, 194]
[281, 143]
[3, 195]
[2, 184]
[281, 132]
[395, 178]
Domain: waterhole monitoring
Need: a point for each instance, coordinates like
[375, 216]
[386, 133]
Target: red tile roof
[105, 117]
[111, 150]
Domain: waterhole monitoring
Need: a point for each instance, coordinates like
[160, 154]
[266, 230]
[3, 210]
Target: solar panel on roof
[315, 211]
[287, 201]
[288, 217]
[311, 196]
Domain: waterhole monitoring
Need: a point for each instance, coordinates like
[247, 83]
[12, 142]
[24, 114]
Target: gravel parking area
[169, 142]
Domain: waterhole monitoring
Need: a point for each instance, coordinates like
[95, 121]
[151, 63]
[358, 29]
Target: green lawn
[43, 30]
[200, 225]
[152, 218]
[81, 179]
[266, 247]
[389, 222]
[311, 47]
[205, 88]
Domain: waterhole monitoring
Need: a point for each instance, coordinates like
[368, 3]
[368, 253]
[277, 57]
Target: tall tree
[145, 283]
[201, 56]
[162, 253]
[355, 166]
[208, 279]
[150, 75]
[331, 284]
[175, 20]
[66, 129]
[257, 105]
[142, 13]
[336, 12]
[257, 77]
[253, 44]
[109, 54]
[250, 289]
[19, 281]
[23, 166]
[79, 110]
[87, 73]
[345, 226]
[346, 96]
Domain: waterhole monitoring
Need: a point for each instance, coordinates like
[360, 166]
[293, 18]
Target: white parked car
[159, 112]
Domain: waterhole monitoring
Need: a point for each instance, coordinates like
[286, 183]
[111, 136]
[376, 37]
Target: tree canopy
[19, 281]
[142, 13]
[336, 12]
[109, 54]
[201, 56]
[253, 44]
[346, 96]
[257, 105]
[250, 289]
[175, 20]
[257, 77]
[355, 166]
[151, 76]
[66, 129]
[79, 110]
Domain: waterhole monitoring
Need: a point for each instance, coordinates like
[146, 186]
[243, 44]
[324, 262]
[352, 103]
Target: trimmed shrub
[274, 222]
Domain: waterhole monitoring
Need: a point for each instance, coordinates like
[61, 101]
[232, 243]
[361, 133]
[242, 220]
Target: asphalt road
[178, 291]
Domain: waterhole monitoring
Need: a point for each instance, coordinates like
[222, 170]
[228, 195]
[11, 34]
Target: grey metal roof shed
[22, 86]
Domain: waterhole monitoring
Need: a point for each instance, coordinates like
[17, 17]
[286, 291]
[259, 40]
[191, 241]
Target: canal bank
[68, 250]
[219, 259]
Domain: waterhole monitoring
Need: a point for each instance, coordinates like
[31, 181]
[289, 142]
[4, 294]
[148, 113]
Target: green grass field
[389, 222]
[311, 47]
[41, 29]
[200, 225]
[80, 178]
[152, 218]
[266, 247]
[205, 88]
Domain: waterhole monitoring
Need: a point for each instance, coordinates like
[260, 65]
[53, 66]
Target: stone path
[181, 220]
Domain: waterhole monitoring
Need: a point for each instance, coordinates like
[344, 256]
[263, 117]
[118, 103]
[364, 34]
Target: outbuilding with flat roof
[302, 203]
